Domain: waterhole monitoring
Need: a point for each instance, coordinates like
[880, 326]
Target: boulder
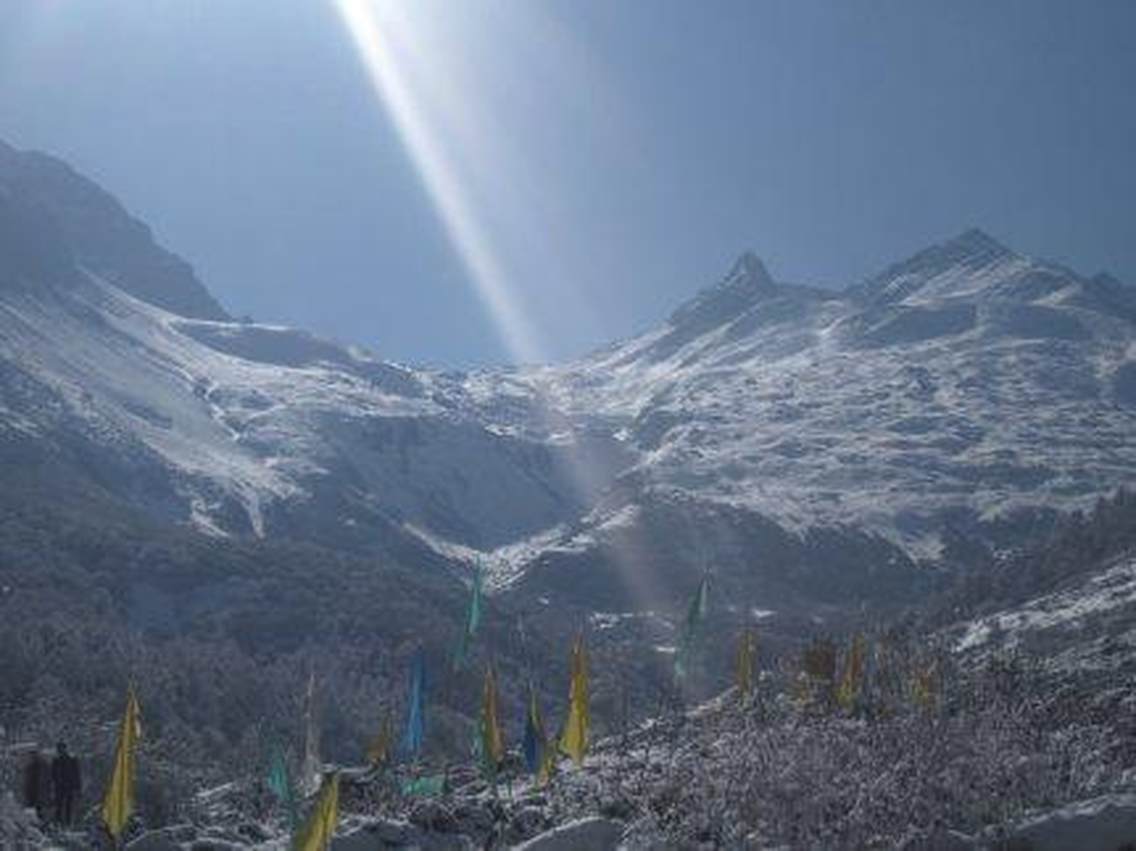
[376, 833]
[253, 832]
[587, 834]
[526, 822]
[473, 817]
[156, 840]
[18, 826]
[1106, 823]
[939, 839]
[432, 815]
[618, 808]
[394, 833]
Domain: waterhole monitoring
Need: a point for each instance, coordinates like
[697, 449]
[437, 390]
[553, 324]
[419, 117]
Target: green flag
[695, 614]
[425, 786]
[280, 784]
[473, 619]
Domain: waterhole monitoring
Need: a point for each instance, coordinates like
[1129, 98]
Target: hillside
[967, 391]
[218, 508]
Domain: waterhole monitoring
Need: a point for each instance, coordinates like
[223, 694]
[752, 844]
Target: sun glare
[384, 35]
[452, 116]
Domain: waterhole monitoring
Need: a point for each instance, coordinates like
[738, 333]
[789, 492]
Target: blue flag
[415, 720]
[535, 740]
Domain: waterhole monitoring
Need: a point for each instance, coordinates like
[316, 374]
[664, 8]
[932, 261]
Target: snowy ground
[1088, 624]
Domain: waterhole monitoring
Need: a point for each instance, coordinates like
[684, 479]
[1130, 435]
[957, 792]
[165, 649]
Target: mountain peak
[972, 248]
[961, 258]
[975, 241]
[741, 287]
[95, 232]
[1110, 281]
[749, 269]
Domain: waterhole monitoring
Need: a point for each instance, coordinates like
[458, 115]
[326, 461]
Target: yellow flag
[851, 683]
[492, 739]
[118, 805]
[379, 748]
[574, 740]
[925, 686]
[317, 831]
[547, 765]
[746, 656]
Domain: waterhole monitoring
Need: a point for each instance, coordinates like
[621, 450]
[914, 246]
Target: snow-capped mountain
[797, 439]
[140, 382]
[957, 387]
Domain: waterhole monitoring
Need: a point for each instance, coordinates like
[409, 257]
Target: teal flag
[280, 784]
[416, 707]
[695, 615]
[425, 786]
[472, 621]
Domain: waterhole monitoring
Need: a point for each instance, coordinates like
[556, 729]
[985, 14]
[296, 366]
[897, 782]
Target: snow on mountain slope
[1088, 624]
[959, 386]
[275, 421]
[955, 388]
[799, 426]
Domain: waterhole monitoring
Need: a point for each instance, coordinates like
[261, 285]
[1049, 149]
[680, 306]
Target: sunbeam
[373, 27]
[453, 102]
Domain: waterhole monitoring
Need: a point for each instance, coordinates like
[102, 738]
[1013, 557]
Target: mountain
[961, 387]
[812, 447]
[72, 222]
[217, 508]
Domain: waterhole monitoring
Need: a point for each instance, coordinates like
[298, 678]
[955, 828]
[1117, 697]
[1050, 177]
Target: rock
[587, 834]
[432, 815]
[394, 833]
[473, 818]
[364, 839]
[939, 839]
[526, 822]
[18, 827]
[377, 833]
[619, 809]
[253, 832]
[1106, 823]
[170, 838]
[219, 838]
[755, 842]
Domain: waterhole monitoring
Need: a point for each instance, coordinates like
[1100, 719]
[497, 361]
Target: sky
[496, 181]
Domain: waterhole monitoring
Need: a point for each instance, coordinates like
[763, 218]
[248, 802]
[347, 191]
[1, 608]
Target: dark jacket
[65, 774]
[36, 780]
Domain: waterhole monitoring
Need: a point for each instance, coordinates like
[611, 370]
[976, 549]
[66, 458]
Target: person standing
[36, 782]
[65, 779]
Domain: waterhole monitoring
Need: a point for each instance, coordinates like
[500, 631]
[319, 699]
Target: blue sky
[604, 159]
